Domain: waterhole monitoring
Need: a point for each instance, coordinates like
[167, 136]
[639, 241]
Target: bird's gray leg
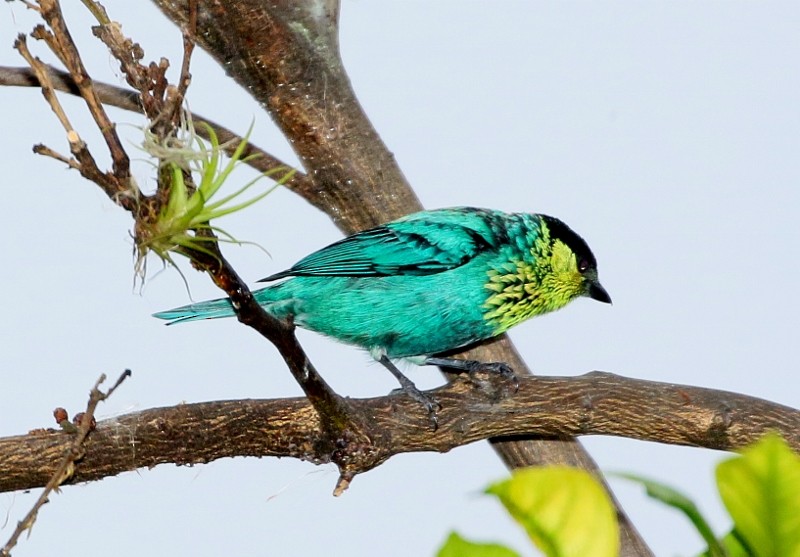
[471, 366]
[430, 403]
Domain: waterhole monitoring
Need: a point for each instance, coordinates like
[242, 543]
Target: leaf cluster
[566, 513]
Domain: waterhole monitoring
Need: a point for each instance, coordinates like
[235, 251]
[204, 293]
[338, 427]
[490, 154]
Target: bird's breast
[516, 291]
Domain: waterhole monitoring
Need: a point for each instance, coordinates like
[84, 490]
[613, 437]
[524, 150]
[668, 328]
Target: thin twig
[46, 151]
[127, 99]
[125, 195]
[66, 467]
[66, 50]
[188, 47]
[98, 11]
[38, 68]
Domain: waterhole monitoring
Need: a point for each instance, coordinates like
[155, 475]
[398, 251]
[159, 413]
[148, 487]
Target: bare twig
[127, 99]
[188, 47]
[98, 11]
[62, 45]
[46, 151]
[72, 453]
[123, 193]
[38, 68]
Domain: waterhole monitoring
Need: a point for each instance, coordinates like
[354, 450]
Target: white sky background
[665, 133]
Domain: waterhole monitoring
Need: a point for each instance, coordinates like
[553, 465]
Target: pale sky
[666, 133]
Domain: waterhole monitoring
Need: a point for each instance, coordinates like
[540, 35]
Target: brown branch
[296, 72]
[339, 421]
[597, 403]
[118, 187]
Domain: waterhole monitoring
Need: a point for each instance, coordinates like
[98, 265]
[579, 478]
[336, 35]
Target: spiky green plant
[178, 226]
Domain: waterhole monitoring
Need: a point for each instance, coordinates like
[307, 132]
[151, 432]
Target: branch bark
[473, 409]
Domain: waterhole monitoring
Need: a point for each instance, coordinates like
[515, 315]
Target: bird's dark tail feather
[212, 309]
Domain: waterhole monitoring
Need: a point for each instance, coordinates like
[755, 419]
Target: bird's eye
[583, 264]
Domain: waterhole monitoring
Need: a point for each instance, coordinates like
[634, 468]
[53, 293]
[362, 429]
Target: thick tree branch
[286, 54]
[597, 403]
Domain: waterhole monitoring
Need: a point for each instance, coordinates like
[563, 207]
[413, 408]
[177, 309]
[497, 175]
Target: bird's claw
[499, 368]
[429, 402]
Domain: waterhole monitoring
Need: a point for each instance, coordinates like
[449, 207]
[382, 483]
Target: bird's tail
[276, 300]
[211, 309]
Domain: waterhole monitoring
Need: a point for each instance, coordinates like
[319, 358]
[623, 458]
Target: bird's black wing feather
[421, 244]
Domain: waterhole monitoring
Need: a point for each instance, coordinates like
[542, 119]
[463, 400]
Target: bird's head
[570, 268]
[557, 267]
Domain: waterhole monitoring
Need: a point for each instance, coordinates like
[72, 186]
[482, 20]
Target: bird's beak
[597, 292]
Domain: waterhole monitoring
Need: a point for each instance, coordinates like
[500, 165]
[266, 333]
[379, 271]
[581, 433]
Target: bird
[427, 284]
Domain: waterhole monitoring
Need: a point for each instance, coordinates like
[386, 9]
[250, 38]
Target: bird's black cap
[577, 244]
[583, 253]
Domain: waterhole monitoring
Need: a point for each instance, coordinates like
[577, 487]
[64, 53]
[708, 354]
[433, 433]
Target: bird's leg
[472, 366]
[408, 387]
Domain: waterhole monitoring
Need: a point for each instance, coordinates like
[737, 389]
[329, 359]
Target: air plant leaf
[195, 175]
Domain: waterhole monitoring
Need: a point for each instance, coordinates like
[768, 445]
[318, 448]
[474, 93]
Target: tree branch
[473, 409]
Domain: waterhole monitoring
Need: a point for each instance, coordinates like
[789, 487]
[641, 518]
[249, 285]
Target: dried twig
[127, 99]
[120, 191]
[66, 467]
[60, 42]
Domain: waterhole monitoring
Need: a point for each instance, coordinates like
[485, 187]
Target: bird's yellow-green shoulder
[554, 267]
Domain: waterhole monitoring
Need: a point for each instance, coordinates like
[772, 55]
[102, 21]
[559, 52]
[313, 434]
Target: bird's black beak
[597, 292]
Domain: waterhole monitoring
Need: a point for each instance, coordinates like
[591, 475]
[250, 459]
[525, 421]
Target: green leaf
[565, 511]
[456, 546]
[188, 210]
[761, 490]
[674, 498]
[733, 547]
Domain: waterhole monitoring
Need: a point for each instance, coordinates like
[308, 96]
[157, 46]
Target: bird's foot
[410, 389]
[473, 366]
[429, 402]
[500, 368]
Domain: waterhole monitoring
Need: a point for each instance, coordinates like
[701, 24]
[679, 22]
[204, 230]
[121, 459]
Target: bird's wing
[421, 244]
